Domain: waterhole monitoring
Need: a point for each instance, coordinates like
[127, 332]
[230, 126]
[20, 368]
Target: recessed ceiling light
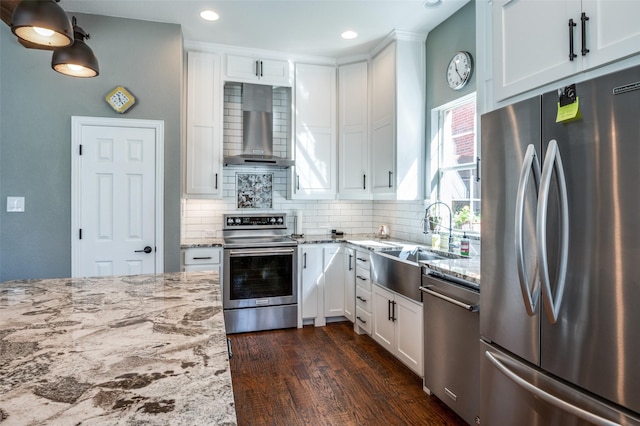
[432, 3]
[348, 35]
[209, 15]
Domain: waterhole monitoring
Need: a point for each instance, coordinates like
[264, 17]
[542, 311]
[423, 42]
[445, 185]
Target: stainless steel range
[260, 287]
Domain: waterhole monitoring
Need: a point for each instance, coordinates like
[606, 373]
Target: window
[454, 154]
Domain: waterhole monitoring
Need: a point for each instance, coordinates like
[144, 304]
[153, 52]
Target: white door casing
[117, 196]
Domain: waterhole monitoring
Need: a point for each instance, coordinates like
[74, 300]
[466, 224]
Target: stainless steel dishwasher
[452, 342]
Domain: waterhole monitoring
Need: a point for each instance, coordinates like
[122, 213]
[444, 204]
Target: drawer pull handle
[202, 258]
[361, 278]
[361, 298]
[361, 320]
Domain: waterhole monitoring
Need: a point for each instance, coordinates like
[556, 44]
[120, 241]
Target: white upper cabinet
[314, 173]
[204, 126]
[354, 176]
[398, 119]
[253, 69]
[382, 122]
[612, 30]
[532, 40]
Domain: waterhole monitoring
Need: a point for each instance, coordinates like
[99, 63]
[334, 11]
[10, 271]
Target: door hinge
[80, 150]
[80, 234]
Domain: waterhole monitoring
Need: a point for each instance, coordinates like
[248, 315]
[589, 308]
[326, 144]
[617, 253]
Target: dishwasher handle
[466, 306]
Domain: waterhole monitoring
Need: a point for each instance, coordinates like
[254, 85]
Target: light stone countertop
[144, 349]
[208, 242]
[465, 268]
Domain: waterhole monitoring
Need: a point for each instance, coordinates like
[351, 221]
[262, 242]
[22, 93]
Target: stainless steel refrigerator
[560, 318]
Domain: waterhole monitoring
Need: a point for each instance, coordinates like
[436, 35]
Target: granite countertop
[467, 269]
[209, 242]
[464, 268]
[144, 349]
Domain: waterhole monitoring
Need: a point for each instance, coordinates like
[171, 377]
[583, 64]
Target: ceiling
[294, 27]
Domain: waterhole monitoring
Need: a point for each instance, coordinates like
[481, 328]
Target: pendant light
[77, 60]
[42, 22]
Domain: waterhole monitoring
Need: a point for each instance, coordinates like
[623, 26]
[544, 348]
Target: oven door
[255, 277]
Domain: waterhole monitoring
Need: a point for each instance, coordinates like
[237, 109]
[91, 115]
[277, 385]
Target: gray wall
[36, 105]
[453, 35]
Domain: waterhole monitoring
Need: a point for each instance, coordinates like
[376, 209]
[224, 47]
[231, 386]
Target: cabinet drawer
[363, 299]
[363, 278]
[363, 319]
[362, 260]
[198, 256]
[202, 267]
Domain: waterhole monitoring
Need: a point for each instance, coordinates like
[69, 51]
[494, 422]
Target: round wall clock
[459, 70]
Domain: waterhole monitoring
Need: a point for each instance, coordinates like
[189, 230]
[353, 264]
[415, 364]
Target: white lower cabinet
[321, 282]
[202, 259]
[311, 289]
[364, 304]
[334, 294]
[397, 326]
[349, 283]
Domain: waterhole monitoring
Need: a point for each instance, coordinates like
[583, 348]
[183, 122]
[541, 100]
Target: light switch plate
[15, 204]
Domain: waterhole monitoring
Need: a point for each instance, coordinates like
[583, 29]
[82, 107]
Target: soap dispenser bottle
[464, 245]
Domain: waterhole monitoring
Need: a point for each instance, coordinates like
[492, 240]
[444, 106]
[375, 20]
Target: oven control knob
[280, 220]
[237, 221]
[272, 220]
[229, 221]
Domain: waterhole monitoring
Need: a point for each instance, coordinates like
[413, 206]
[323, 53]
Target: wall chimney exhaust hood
[257, 130]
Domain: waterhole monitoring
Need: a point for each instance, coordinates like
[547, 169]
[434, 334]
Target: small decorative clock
[459, 70]
[120, 99]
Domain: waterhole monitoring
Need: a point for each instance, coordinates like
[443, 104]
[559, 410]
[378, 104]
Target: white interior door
[116, 204]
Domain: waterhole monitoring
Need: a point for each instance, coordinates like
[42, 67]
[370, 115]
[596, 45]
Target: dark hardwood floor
[327, 376]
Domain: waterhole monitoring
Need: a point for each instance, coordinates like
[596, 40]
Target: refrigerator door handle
[552, 162]
[530, 293]
[545, 396]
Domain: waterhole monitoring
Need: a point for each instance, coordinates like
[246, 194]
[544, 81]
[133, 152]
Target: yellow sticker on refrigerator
[569, 112]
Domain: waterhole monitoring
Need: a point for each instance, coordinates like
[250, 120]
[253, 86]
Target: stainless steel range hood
[257, 130]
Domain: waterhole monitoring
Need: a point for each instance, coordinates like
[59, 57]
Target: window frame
[434, 158]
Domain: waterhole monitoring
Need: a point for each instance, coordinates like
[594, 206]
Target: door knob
[147, 249]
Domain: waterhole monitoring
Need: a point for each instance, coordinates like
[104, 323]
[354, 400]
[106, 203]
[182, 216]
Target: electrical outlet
[15, 204]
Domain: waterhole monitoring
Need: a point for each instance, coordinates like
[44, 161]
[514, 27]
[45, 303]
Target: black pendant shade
[42, 22]
[77, 60]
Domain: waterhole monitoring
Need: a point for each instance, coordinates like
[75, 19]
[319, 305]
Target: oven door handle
[262, 252]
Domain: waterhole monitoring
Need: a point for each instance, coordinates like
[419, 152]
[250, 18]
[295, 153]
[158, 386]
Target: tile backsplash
[202, 219]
